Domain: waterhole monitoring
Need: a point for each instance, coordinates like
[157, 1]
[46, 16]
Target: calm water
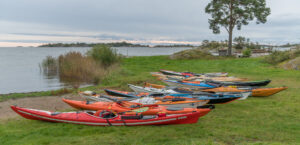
[20, 71]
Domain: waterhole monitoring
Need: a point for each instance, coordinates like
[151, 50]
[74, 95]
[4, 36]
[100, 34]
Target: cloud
[133, 20]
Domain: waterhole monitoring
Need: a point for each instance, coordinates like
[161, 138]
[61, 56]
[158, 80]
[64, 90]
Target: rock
[196, 53]
[291, 64]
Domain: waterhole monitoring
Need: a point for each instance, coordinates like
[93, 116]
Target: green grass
[34, 94]
[267, 120]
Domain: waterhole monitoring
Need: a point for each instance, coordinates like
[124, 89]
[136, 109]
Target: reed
[76, 68]
[50, 66]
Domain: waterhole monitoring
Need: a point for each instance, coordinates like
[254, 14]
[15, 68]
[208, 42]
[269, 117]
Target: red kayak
[107, 118]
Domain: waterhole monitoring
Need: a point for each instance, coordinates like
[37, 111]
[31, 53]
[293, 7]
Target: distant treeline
[115, 44]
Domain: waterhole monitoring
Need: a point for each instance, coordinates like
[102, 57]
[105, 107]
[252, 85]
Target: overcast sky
[32, 22]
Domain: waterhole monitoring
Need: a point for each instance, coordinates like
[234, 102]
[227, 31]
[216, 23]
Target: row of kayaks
[188, 97]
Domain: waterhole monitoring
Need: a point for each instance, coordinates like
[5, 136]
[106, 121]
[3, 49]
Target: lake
[20, 71]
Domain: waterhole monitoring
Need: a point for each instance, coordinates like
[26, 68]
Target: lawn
[267, 120]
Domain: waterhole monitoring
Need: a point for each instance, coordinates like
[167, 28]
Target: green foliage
[247, 52]
[240, 42]
[104, 55]
[277, 57]
[268, 120]
[235, 13]
[35, 94]
[206, 44]
[231, 13]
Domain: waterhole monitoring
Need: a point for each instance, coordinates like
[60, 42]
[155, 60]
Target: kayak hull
[258, 92]
[85, 118]
[250, 83]
[264, 92]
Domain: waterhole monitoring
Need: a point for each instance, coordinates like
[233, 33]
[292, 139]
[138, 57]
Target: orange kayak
[132, 107]
[258, 92]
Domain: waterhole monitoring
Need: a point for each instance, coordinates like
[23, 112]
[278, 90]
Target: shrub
[104, 55]
[247, 52]
[277, 57]
[295, 53]
[75, 68]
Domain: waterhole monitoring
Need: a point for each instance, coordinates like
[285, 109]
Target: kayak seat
[106, 114]
[124, 117]
[157, 94]
[174, 108]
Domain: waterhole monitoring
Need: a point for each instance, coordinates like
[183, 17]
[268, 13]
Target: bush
[295, 53]
[247, 52]
[277, 57]
[75, 68]
[104, 55]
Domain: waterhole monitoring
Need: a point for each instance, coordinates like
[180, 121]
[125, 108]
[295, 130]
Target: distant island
[115, 44]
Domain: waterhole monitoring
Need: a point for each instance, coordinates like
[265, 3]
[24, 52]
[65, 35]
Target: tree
[240, 42]
[235, 13]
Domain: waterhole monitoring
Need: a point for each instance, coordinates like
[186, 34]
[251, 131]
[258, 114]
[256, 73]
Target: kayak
[189, 74]
[195, 78]
[125, 106]
[158, 89]
[214, 84]
[190, 84]
[108, 118]
[249, 83]
[170, 102]
[191, 95]
[213, 98]
[256, 92]
[150, 90]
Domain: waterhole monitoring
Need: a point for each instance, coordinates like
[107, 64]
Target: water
[20, 71]
[282, 48]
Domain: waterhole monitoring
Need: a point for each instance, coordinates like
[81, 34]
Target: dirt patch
[51, 103]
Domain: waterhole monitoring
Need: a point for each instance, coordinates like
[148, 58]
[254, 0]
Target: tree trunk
[229, 51]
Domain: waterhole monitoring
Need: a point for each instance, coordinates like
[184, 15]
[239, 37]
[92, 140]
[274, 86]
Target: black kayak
[250, 83]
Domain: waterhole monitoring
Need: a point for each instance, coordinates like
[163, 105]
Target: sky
[35, 22]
